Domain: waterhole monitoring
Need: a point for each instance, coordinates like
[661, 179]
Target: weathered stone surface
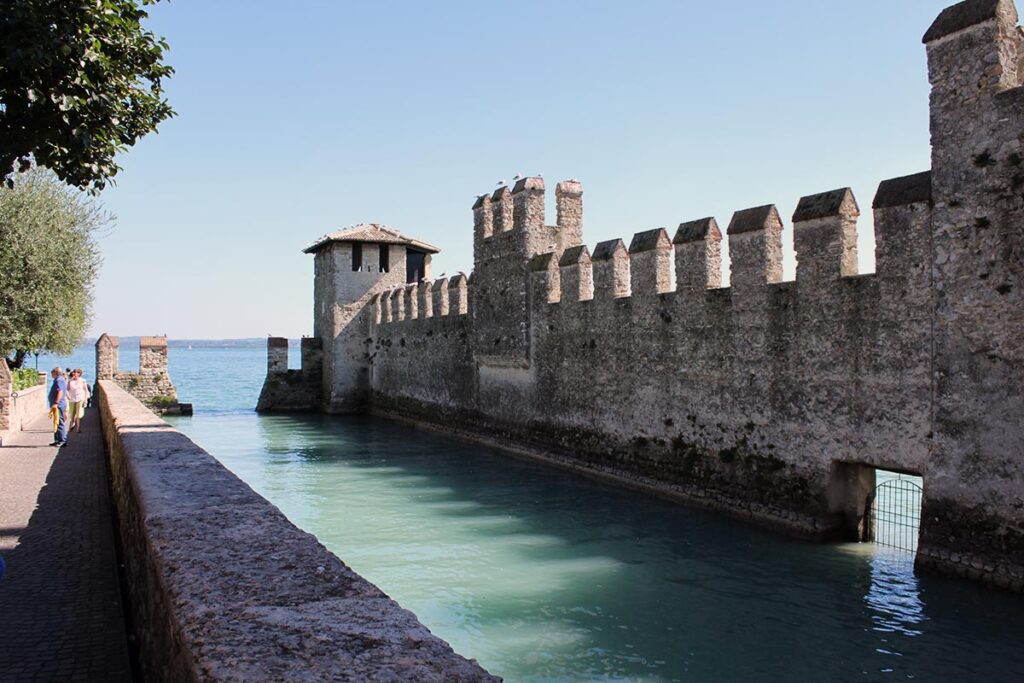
[574, 255]
[287, 390]
[649, 240]
[961, 16]
[753, 219]
[224, 588]
[826, 205]
[911, 189]
[700, 229]
[152, 383]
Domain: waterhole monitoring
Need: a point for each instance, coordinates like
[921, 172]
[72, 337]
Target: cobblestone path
[60, 604]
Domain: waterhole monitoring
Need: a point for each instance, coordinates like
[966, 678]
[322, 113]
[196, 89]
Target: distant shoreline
[237, 343]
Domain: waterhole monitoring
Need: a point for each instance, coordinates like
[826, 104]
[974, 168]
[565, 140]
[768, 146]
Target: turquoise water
[544, 576]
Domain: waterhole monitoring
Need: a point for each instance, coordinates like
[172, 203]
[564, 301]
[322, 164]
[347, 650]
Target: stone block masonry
[767, 399]
[222, 587]
[152, 383]
[292, 390]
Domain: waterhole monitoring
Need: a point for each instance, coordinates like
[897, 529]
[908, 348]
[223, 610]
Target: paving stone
[60, 598]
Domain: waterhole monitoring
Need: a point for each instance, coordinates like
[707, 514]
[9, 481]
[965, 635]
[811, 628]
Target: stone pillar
[569, 212]
[277, 355]
[825, 237]
[440, 295]
[457, 295]
[312, 358]
[698, 255]
[152, 356]
[106, 356]
[544, 279]
[650, 263]
[576, 275]
[755, 248]
[610, 263]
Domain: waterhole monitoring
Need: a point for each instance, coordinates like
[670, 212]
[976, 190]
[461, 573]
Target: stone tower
[974, 504]
[508, 231]
[350, 267]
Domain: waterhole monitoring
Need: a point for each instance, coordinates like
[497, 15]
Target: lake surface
[544, 576]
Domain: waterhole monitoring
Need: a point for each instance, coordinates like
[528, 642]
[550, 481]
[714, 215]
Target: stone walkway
[60, 603]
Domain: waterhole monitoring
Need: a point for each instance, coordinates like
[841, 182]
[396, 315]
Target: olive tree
[49, 259]
[80, 81]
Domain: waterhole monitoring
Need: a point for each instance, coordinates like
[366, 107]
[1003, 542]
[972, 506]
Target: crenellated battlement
[825, 238]
[768, 399]
[422, 300]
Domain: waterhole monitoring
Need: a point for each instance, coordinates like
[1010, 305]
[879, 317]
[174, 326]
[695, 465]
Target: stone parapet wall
[222, 587]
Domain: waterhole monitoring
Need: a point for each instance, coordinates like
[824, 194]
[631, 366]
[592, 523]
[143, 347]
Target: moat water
[541, 575]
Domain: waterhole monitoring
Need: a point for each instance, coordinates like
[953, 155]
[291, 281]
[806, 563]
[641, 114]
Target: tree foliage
[49, 259]
[80, 81]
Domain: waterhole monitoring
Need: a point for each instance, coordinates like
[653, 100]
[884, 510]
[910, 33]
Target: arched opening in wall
[892, 511]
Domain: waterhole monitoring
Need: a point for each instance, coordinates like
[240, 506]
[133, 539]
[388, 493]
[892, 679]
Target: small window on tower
[357, 256]
[384, 258]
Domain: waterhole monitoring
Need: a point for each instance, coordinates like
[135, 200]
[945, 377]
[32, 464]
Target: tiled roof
[369, 232]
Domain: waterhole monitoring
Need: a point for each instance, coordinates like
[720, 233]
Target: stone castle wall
[152, 383]
[769, 399]
[744, 396]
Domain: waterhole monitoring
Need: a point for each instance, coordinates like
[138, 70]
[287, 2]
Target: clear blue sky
[295, 119]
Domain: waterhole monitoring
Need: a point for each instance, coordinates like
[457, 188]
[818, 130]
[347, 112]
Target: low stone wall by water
[222, 587]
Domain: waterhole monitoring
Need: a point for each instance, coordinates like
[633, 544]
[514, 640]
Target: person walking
[59, 399]
[78, 394]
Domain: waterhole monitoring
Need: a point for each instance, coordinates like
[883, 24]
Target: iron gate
[893, 514]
